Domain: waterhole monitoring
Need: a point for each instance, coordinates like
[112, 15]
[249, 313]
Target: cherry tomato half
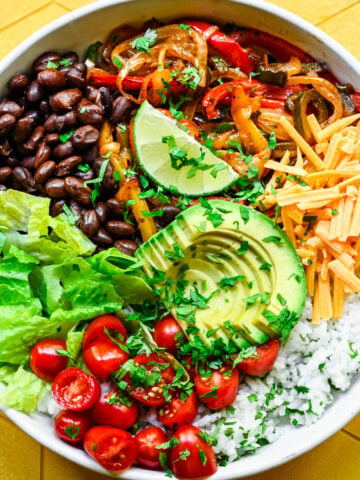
[115, 410]
[96, 330]
[74, 389]
[104, 357]
[218, 390]
[113, 448]
[72, 426]
[266, 354]
[165, 331]
[146, 441]
[152, 394]
[200, 461]
[178, 411]
[45, 362]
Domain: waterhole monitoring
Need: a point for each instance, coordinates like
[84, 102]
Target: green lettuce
[24, 391]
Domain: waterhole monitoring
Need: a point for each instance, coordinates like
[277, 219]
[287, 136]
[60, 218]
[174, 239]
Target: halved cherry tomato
[165, 331]
[75, 390]
[146, 441]
[115, 410]
[219, 389]
[178, 411]
[72, 426]
[96, 330]
[148, 365]
[264, 361]
[104, 357]
[45, 362]
[200, 462]
[113, 448]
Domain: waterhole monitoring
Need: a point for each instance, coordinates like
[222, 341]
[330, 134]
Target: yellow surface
[22, 458]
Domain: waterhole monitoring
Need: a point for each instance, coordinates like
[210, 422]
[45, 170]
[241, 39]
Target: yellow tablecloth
[21, 458]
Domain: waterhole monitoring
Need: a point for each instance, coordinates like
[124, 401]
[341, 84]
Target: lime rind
[150, 126]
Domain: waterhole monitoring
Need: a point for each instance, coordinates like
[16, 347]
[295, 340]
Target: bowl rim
[348, 408]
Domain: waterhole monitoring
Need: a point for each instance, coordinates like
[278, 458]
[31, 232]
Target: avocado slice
[227, 271]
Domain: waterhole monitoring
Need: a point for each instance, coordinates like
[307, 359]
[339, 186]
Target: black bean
[5, 147]
[55, 188]
[169, 214]
[81, 66]
[91, 155]
[59, 123]
[76, 209]
[17, 84]
[101, 210]
[90, 222]
[5, 174]
[52, 79]
[9, 106]
[109, 184]
[106, 100]
[44, 109]
[35, 139]
[85, 137]
[65, 100]
[122, 106]
[57, 207]
[102, 238]
[24, 178]
[89, 113]
[65, 167]
[7, 122]
[119, 229]
[85, 176]
[63, 150]
[28, 162]
[35, 92]
[52, 139]
[116, 207]
[76, 189]
[45, 171]
[42, 155]
[23, 129]
[41, 63]
[12, 161]
[75, 78]
[126, 246]
[71, 57]
[92, 93]
[34, 115]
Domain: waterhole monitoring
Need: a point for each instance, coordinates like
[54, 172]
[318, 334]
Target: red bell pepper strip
[279, 48]
[228, 47]
[129, 83]
[109, 81]
[355, 97]
[273, 96]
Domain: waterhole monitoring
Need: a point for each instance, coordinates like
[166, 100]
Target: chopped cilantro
[244, 245]
[154, 213]
[272, 141]
[52, 65]
[92, 51]
[301, 389]
[212, 393]
[64, 137]
[143, 44]
[118, 62]
[265, 266]
[273, 238]
[184, 26]
[72, 219]
[72, 431]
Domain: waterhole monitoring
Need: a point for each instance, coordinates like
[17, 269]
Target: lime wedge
[174, 159]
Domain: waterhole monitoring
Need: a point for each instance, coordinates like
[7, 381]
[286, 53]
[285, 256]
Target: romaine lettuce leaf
[24, 391]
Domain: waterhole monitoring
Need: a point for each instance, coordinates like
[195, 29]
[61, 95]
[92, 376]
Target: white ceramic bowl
[86, 25]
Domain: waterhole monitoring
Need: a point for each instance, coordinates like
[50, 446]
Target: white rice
[316, 361]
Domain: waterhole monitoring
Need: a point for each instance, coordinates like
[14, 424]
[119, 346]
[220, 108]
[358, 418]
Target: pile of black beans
[49, 126]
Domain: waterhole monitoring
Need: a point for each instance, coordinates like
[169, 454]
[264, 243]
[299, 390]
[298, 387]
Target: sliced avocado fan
[226, 271]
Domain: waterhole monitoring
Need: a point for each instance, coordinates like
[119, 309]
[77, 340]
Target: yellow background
[21, 458]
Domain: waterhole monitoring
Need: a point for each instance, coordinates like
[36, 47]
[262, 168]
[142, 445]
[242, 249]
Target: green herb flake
[212, 393]
[252, 398]
[154, 213]
[64, 137]
[265, 266]
[244, 245]
[143, 44]
[71, 218]
[274, 239]
[118, 62]
[93, 50]
[72, 431]
[203, 457]
[272, 142]
[301, 389]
